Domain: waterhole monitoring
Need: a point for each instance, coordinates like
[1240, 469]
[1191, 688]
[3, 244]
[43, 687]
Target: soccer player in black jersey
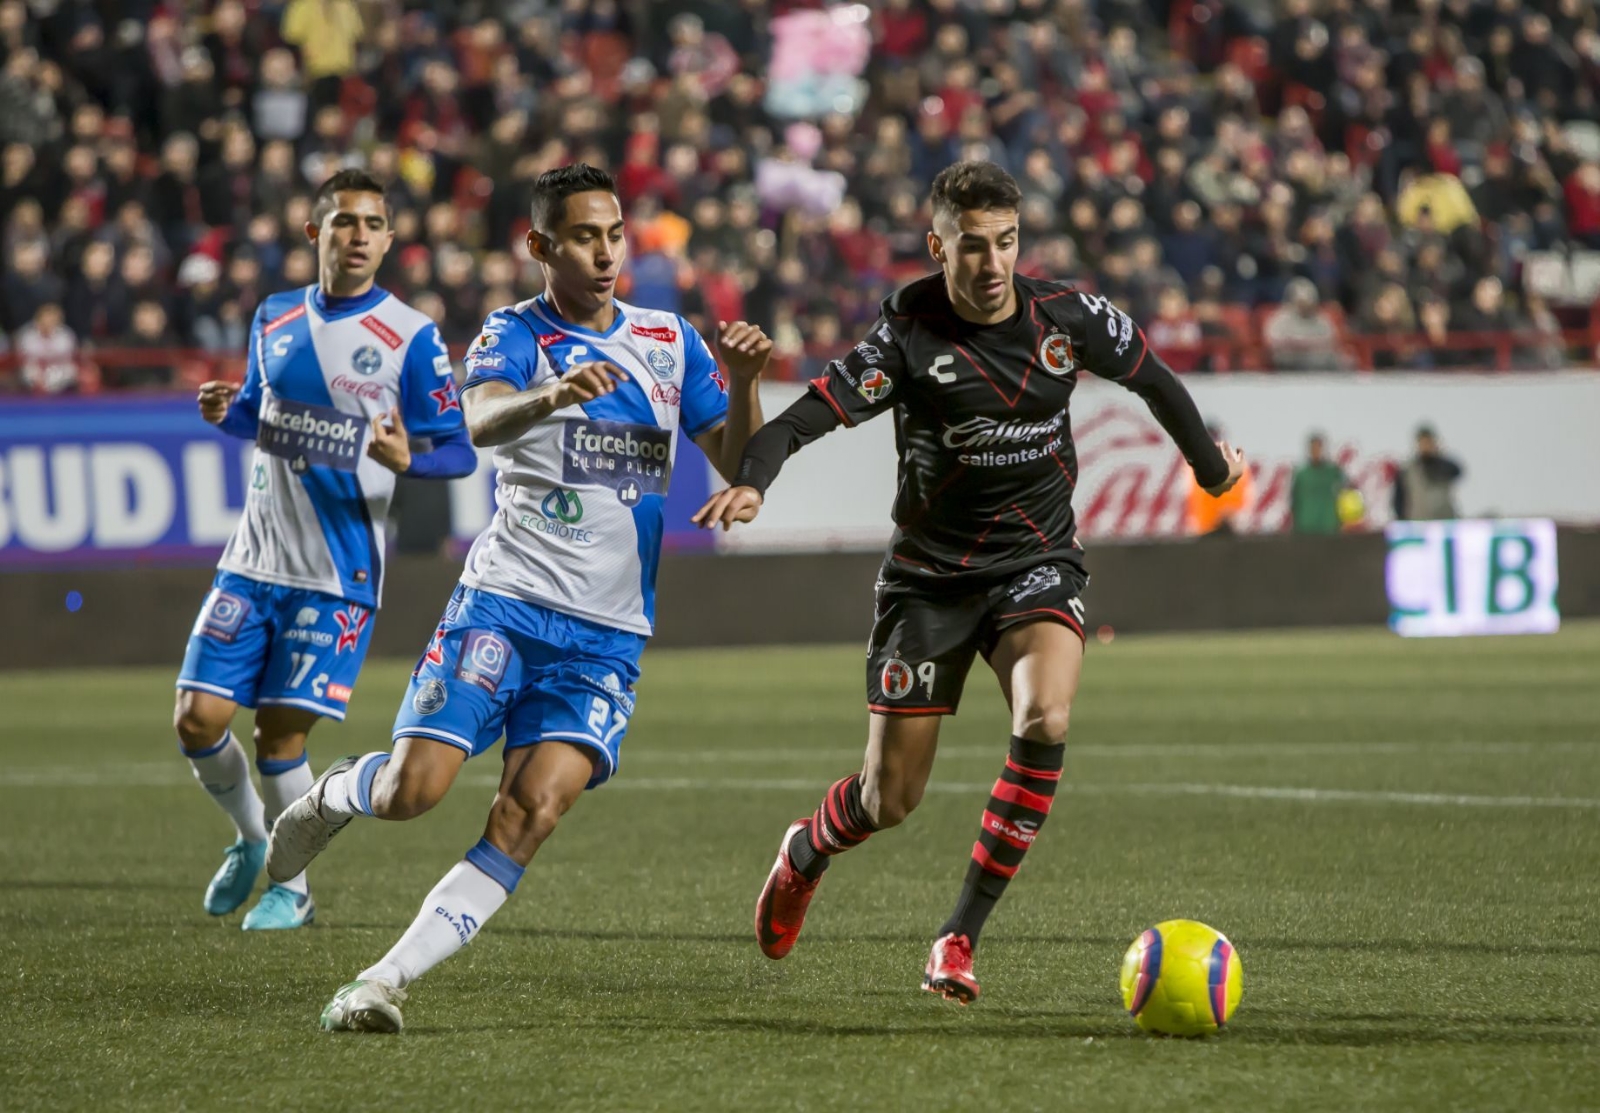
[978, 365]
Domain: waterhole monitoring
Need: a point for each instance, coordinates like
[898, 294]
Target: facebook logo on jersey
[615, 453]
[305, 434]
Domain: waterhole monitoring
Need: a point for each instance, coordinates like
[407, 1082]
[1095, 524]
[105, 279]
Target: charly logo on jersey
[1036, 582]
[484, 655]
[875, 385]
[308, 435]
[1055, 354]
[367, 360]
[661, 362]
[430, 698]
[616, 454]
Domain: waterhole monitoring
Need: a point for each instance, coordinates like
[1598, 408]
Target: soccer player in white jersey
[340, 375]
[583, 396]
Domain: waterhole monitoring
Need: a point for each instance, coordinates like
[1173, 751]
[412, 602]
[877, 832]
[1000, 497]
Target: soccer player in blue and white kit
[583, 395]
[340, 375]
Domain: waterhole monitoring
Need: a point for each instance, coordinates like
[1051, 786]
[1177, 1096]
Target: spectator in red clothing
[49, 352]
[1442, 153]
[1583, 204]
[1175, 330]
[901, 30]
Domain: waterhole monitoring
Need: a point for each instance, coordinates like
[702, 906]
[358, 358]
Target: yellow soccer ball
[1181, 978]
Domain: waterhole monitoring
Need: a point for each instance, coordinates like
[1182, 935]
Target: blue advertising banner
[135, 479]
[145, 480]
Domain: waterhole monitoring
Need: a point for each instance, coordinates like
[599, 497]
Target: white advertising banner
[1528, 444]
[1448, 579]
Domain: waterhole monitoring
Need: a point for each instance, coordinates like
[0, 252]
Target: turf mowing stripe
[165, 775]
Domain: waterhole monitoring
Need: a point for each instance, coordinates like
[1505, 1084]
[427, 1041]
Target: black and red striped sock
[840, 822]
[1018, 805]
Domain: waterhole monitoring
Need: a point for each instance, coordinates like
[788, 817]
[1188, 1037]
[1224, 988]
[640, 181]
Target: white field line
[168, 774]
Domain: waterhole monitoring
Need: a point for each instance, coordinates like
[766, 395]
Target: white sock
[451, 916]
[350, 793]
[224, 772]
[282, 783]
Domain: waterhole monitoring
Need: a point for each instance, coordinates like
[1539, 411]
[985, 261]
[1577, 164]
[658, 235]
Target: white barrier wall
[1530, 445]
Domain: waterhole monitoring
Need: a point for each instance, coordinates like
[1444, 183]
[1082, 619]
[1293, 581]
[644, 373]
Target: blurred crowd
[1298, 183]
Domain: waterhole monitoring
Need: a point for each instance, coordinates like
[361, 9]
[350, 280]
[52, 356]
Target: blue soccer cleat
[231, 886]
[280, 909]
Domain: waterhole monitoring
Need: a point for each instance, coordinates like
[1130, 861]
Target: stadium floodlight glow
[1448, 579]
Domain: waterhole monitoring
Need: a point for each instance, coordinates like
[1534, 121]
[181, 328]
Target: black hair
[973, 184]
[552, 188]
[345, 181]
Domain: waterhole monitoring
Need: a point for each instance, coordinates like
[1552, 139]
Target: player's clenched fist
[727, 506]
[744, 347]
[1235, 458]
[586, 382]
[215, 397]
[390, 445]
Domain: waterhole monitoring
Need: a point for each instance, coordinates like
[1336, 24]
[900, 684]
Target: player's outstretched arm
[497, 412]
[1116, 349]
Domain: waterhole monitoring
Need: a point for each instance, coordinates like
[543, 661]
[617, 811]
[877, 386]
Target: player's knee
[196, 730]
[1044, 722]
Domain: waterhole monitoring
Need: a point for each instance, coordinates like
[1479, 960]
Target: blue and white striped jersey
[320, 371]
[579, 496]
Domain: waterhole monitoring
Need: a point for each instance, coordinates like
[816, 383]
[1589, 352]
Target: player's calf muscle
[520, 822]
[415, 779]
[889, 797]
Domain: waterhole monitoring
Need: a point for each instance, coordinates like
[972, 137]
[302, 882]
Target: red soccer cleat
[781, 909]
[949, 972]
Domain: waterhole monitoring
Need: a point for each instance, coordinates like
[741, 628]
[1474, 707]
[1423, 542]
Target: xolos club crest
[896, 680]
[1055, 354]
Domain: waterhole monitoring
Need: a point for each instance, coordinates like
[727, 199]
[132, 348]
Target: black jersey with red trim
[987, 464]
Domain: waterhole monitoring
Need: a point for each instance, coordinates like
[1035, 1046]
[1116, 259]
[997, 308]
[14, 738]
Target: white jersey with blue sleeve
[580, 495]
[320, 371]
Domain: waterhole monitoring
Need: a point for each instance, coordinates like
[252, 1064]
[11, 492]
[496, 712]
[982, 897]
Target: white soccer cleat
[365, 1006]
[301, 832]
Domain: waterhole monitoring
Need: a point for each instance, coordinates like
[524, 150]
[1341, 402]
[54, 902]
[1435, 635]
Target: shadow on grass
[1396, 1030]
[999, 939]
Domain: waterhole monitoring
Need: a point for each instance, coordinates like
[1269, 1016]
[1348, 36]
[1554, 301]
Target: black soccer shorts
[924, 639]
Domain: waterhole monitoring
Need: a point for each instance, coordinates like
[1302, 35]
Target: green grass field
[1401, 838]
